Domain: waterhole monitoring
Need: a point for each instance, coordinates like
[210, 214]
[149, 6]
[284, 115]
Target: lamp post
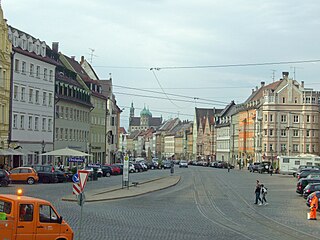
[271, 166]
[43, 145]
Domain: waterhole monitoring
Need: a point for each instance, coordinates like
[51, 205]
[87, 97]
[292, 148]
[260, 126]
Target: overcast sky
[130, 37]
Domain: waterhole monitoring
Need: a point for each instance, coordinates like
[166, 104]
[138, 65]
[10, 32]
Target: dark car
[152, 165]
[304, 168]
[263, 167]
[138, 167]
[307, 172]
[166, 164]
[303, 182]
[62, 176]
[47, 174]
[254, 167]
[310, 188]
[317, 193]
[4, 178]
[106, 171]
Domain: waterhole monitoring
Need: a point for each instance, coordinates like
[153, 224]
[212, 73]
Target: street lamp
[43, 145]
[271, 167]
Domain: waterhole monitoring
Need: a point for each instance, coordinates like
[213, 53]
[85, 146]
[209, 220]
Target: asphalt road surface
[206, 204]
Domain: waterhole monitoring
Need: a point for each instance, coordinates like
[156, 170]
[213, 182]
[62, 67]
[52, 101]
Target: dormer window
[30, 47]
[15, 41]
[37, 49]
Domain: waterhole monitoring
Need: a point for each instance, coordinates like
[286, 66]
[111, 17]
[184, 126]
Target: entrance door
[25, 227]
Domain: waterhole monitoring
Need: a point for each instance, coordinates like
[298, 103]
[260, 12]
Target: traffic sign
[81, 199]
[83, 176]
[75, 178]
[76, 189]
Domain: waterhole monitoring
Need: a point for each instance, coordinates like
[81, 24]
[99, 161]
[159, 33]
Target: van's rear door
[26, 220]
[6, 229]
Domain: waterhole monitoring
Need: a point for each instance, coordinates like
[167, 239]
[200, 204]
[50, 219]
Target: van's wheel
[152, 167]
[4, 183]
[137, 170]
[30, 180]
[108, 174]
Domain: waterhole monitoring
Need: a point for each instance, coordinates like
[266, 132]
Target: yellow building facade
[5, 69]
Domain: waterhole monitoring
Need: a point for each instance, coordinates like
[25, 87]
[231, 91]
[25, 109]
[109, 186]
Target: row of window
[32, 96]
[98, 120]
[65, 134]
[34, 71]
[72, 114]
[283, 118]
[283, 132]
[31, 122]
[310, 148]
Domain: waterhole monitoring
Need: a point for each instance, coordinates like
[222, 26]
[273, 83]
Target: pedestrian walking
[264, 191]
[271, 170]
[257, 192]
[228, 167]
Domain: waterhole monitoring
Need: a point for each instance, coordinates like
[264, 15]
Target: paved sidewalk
[117, 192]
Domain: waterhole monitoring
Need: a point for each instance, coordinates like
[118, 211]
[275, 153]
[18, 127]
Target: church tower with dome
[143, 122]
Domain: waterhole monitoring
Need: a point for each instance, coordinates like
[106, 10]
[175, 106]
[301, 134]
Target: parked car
[4, 178]
[306, 172]
[310, 188]
[264, 167]
[255, 167]
[166, 164]
[183, 163]
[299, 171]
[152, 164]
[303, 182]
[115, 169]
[119, 165]
[24, 174]
[138, 167]
[93, 168]
[303, 167]
[47, 173]
[314, 175]
[310, 197]
[106, 171]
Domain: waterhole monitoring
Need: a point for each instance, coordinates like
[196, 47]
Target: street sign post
[78, 188]
[125, 176]
[75, 178]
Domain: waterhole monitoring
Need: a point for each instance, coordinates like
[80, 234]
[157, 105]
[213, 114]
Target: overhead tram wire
[217, 66]
[155, 76]
[171, 94]
[178, 100]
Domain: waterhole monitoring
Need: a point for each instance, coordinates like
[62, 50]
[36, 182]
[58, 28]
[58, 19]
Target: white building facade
[32, 111]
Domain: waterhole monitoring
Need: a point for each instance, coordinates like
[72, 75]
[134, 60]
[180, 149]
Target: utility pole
[92, 55]
[273, 74]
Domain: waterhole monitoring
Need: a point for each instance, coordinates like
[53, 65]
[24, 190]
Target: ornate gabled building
[204, 134]
[143, 122]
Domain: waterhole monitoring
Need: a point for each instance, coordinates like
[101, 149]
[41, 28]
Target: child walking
[264, 193]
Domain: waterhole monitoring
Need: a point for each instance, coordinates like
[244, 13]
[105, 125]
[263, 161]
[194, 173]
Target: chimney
[73, 58]
[302, 84]
[252, 90]
[262, 84]
[285, 75]
[256, 88]
[82, 60]
[55, 46]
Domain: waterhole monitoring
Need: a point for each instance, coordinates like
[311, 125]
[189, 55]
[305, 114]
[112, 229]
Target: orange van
[27, 218]
[24, 174]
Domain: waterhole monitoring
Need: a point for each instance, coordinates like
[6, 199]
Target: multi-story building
[5, 67]
[223, 133]
[289, 119]
[72, 109]
[181, 140]
[32, 115]
[97, 116]
[234, 137]
[203, 133]
[123, 135]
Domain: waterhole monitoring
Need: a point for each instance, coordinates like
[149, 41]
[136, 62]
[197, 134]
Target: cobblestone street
[206, 204]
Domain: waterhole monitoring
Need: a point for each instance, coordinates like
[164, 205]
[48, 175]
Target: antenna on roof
[294, 72]
[273, 74]
[92, 55]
